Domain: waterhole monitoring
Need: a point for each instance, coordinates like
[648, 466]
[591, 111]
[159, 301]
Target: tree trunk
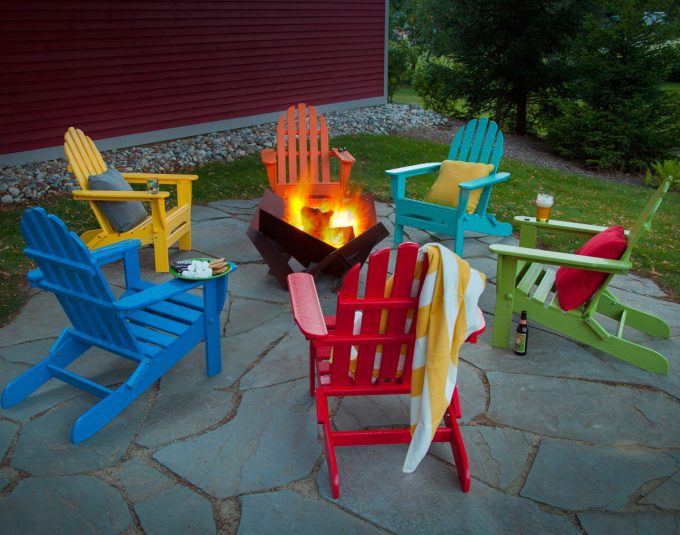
[521, 119]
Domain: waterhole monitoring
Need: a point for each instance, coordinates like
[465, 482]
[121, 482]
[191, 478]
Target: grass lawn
[671, 87]
[577, 198]
[407, 95]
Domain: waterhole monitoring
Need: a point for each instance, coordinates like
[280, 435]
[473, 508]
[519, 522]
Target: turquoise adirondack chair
[524, 283]
[479, 141]
[154, 325]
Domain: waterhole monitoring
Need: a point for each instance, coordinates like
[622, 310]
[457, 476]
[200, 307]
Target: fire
[335, 220]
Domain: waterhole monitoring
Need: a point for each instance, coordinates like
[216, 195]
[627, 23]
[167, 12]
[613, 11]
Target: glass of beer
[544, 202]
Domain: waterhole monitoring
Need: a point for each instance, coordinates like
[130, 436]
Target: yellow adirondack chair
[162, 228]
[302, 155]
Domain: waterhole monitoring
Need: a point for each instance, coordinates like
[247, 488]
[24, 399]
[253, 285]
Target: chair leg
[160, 252]
[456, 403]
[458, 450]
[213, 353]
[640, 356]
[398, 233]
[459, 237]
[312, 368]
[331, 461]
[610, 306]
[505, 289]
[64, 351]
[184, 242]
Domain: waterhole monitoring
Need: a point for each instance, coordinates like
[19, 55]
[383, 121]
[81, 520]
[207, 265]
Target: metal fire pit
[278, 241]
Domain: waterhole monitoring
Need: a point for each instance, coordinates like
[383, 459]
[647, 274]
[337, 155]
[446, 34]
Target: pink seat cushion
[575, 286]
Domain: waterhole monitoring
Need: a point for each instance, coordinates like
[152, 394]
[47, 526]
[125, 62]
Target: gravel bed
[35, 180]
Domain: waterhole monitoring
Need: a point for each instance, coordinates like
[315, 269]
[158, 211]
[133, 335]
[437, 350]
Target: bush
[623, 137]
[433, 80]
[619, 117]
[401, 59]
[658, 171]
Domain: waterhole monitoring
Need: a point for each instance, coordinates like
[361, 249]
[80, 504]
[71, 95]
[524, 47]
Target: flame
[335, 220]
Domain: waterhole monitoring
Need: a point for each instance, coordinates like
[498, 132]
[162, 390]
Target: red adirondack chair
[302, 155]
[335, 334]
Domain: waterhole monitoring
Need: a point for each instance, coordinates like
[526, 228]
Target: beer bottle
[522, 335]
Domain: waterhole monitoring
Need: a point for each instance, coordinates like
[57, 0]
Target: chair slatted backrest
[302, 148]
[72, 275]
[642, 225]
[480, 141]
[83, 156]
[84, 161]
[400, 306]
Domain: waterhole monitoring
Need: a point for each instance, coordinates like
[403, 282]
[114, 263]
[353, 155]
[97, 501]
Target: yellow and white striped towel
[447, 315]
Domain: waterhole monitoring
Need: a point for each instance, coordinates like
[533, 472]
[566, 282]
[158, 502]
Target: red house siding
[116, 68]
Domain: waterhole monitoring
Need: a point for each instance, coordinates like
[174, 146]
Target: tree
[505, 52]
[618, 115]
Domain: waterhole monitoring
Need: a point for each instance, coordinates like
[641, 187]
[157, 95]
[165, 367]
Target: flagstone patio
[562, 440]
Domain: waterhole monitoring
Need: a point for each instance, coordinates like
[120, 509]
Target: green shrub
[400, 65]
[433, 79]
[618, 116]
[658, 171]
[626, 136]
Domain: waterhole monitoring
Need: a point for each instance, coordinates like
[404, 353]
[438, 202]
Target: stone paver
[666, 495]
[287, 512]
[223, 238]
[176, 510]
[66, 504]
[190, 413]
[429, 500]
[8, 431]
[642, 523]
[288, 360]
[238, 354]
[583, 410]
[6, 475]
[573, 440]
[45, 448]
[141, 481]
[497, 455]
[562, 470]
[249, 449]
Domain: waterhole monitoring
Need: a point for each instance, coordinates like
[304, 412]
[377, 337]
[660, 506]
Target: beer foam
[544, 200]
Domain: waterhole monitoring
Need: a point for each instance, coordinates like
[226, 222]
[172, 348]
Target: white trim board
[144, 138]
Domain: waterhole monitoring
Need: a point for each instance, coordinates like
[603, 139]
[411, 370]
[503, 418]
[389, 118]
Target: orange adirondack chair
[335, 335]
[302, 155]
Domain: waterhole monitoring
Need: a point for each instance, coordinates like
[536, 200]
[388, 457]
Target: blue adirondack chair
[154, 325]
[479, 141]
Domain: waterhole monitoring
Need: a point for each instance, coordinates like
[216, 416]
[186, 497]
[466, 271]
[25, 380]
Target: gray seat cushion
[123, 215]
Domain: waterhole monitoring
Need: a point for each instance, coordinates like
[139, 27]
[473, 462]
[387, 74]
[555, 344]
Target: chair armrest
[306, 307]
[155, 294]
[163, 178]
[115, 251]
[92, 195]
[102, 255]
[490, 180]
[414, 170]
[564, 227]
[343, 155]
[590, 263]
[268, 156]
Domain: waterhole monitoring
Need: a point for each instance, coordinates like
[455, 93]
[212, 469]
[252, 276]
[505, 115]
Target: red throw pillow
[575, 286]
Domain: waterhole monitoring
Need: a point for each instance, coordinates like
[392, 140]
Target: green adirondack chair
[524, 283]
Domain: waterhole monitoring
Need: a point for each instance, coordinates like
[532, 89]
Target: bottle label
[520, 342]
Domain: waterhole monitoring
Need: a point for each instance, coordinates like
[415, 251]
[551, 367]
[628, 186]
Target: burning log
[318, 223]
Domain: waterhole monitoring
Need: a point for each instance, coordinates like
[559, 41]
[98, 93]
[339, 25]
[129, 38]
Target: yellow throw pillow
[452, 172]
